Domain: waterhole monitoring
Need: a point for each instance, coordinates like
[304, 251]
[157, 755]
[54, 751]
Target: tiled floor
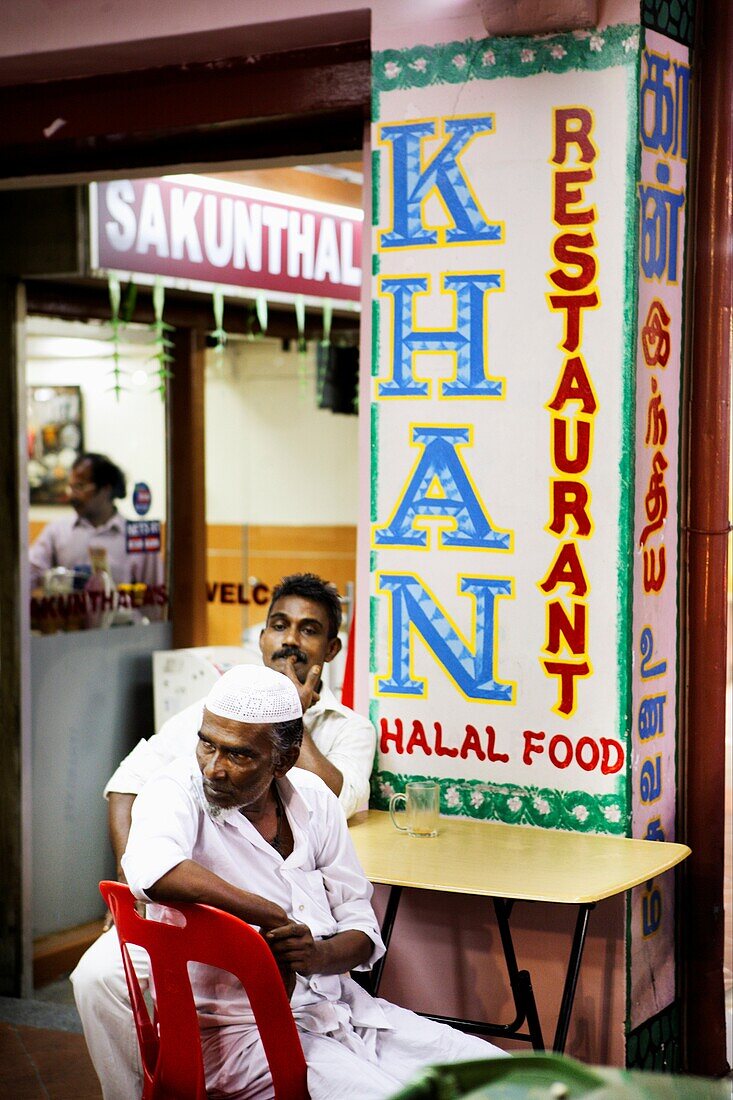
[40, 1064]
[43, 1055]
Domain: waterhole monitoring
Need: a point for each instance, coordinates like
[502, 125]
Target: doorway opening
[270, 445]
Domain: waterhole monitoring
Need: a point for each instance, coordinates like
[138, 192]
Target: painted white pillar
[528, 261]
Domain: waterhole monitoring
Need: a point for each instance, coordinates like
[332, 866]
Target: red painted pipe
[707, 531]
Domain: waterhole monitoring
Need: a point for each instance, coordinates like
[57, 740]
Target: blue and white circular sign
[141, 498]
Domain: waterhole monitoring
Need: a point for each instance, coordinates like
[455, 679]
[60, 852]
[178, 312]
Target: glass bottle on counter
[100, 591]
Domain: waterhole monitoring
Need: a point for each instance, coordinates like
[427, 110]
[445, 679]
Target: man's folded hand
[293, 945]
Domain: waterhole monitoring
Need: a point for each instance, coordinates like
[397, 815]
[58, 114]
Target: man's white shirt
[320, 884]
[344, 737]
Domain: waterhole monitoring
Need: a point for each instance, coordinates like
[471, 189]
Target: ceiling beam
[238, 109]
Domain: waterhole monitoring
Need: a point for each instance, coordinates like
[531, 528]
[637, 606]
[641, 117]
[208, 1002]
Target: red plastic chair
[170, 1044]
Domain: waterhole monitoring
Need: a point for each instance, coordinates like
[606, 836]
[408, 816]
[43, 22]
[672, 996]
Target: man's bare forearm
[119, 818]
[191, 882]
[313, 760]
[343, 951]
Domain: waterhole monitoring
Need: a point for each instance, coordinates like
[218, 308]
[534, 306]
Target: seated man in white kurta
[237, 827]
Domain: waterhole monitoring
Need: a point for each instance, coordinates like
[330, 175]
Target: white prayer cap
[253, 693]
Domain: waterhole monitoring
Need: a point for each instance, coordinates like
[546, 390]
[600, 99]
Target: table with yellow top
[509, 863]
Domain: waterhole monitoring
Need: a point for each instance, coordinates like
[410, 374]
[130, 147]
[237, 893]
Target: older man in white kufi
[237, 826]
[300, 638]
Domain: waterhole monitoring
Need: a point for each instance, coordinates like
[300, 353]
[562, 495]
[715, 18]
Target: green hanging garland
[219, 332]
[261, 307]
[116, 323]
[325, 343]
[161, 357]
[302, 343]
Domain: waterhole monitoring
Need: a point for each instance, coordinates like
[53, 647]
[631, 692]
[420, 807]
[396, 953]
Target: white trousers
[100, 992]
[373, 1066]
[377, 1061]
[367, 1063]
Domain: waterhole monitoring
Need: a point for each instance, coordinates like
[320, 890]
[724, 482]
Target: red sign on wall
[211, 231]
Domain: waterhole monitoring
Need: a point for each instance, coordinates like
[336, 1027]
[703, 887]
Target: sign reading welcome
[207, 231]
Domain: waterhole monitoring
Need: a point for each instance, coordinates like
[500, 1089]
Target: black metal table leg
[390, 914]
[520, 980]
[571, 978]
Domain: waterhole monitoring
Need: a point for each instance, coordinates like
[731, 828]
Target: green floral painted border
[675, 18]
[655, 1044]
[490, 58]
[576, 811]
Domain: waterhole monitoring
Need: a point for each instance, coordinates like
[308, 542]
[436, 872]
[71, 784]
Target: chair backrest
[170, 1046]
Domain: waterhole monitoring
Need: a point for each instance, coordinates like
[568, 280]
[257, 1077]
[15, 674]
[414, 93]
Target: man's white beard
[213, 811]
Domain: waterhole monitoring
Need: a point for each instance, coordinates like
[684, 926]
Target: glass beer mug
[422, 808]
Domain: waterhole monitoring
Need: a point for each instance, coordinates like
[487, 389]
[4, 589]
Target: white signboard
[502, 426]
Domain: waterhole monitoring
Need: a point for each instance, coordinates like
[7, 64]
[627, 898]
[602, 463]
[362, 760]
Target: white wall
[272, 457]
[43, 40]
[69, 25]
[132, 431]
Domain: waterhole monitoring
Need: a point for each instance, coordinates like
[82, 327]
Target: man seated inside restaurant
[300, 636]
[237, 826]
[95, 482]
